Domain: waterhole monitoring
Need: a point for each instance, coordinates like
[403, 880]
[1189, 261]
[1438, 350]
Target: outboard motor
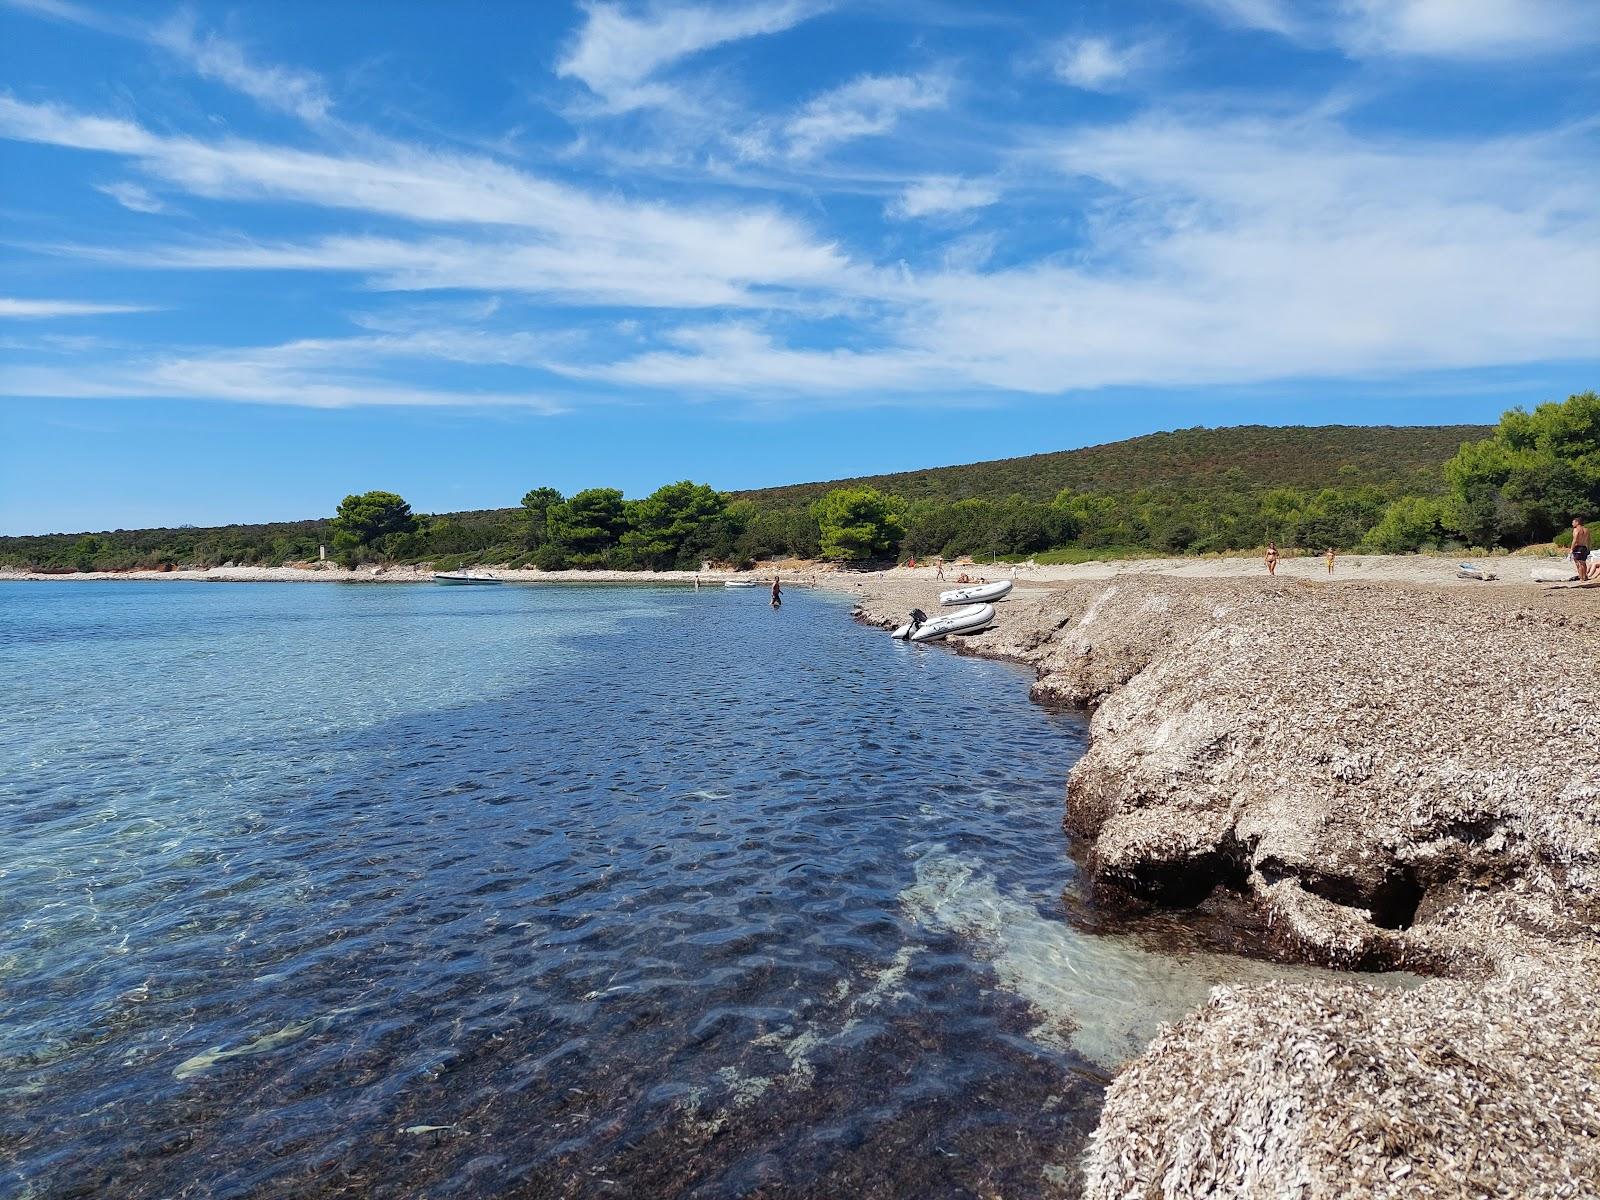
[917, 619]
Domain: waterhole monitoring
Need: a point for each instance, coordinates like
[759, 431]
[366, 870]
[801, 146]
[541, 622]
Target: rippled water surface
[416, 891]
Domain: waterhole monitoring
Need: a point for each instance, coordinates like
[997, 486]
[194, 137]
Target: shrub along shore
[1378, 490]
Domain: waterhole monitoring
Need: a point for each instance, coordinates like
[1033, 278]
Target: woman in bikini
[1272, 558]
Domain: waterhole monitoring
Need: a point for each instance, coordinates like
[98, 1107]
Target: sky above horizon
[259, 256]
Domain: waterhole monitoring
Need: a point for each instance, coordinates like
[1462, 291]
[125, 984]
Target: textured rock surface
[1396, 775]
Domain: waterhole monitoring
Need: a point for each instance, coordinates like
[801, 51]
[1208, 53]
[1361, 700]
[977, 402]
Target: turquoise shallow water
[414, 891]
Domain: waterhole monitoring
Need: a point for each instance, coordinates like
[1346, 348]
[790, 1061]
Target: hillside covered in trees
[1310, 457]
[1379, 488]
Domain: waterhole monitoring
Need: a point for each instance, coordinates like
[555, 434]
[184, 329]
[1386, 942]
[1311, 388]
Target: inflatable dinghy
[904, 632]
[1554, 575]
[741, 583]
[964, 620]
[1473, 571]
[978, 593]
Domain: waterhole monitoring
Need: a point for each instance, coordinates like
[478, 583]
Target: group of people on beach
[1581, 545]
[1272, 558]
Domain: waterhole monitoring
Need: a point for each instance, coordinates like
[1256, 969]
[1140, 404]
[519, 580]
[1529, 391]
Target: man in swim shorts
[1580, 548]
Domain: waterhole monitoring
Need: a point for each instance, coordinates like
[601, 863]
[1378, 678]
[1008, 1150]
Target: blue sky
[257, 256]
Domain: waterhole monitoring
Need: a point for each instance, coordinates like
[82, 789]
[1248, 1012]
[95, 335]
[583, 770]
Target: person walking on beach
[777, 593]
[938, 566]
[1272, 558]
[1330, 560]
[1580, 548]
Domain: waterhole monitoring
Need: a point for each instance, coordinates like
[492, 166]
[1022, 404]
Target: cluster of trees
[155, 549]
[1190, 491]
[676, 526]
[1522, 484]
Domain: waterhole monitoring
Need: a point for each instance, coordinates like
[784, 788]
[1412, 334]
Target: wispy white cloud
[365, 371]
[213, 57]
[1446, 29]
[1224, 251]
[1271, 15]
[1217, 249]
[75, 14]
[1469, 28]
[1205, 247]
[868, 106]
[133, 196]
[943, 195]
[571, 242]
[208, 54]
[30, 310]
[618, 53]
[739, 358]
[612, 267]
[1099, 64]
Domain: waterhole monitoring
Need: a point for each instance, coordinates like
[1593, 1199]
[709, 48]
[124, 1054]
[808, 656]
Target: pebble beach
[1393, 774]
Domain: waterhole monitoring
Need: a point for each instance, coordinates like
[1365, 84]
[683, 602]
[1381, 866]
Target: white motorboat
[459, 578]
[977, 593]
[741, 583]
[964, 620]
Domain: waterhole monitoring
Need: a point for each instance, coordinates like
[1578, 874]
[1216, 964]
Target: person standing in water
[1272, 558]
[777, 593]
[1580, 548]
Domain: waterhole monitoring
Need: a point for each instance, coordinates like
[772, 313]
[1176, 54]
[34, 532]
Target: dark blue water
[416, 891]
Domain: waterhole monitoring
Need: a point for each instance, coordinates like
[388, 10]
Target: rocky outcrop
[1284, 1090]
[1395, 776]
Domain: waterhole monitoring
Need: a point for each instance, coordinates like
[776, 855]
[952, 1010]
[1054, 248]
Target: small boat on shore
[977, 593]
[964, 620]
[460, 578]
[741, 583]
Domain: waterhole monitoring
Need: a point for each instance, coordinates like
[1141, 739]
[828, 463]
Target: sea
[545, 891]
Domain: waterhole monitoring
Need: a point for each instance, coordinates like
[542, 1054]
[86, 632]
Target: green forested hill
[1189, 489]
[1407, 457]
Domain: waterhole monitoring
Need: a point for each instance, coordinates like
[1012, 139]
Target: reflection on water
[402, 891]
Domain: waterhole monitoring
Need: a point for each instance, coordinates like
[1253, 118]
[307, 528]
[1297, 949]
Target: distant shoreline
[401, 575]
[1511, 570]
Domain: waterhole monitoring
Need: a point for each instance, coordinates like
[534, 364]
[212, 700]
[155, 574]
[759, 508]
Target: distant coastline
[1511, 570]
[1357, 489]
[412, 573]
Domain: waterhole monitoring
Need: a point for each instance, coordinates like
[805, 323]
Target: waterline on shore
[1102, 995]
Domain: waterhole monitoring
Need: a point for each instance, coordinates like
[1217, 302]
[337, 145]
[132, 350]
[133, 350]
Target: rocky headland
[1392, 776]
